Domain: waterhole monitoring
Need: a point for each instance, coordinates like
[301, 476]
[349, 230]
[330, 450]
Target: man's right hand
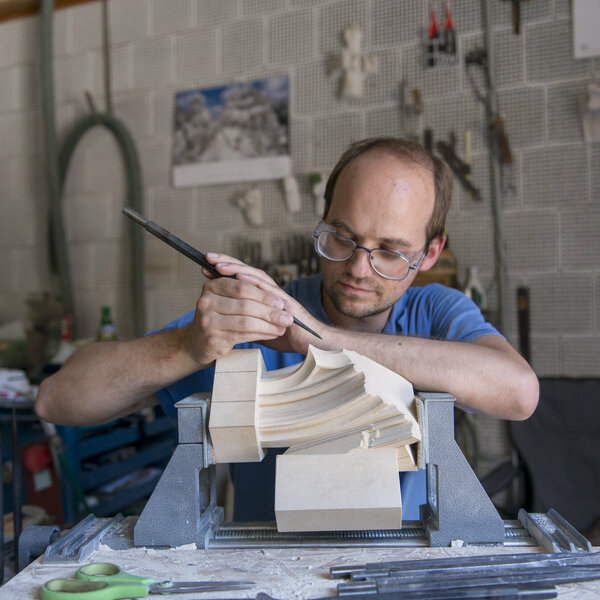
[229, 312]
[106, 380]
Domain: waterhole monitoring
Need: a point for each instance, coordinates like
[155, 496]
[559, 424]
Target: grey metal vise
[183, 508]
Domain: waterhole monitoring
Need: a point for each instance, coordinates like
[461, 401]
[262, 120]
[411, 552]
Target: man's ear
[433, 253]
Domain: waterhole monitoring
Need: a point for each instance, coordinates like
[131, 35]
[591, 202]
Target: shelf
[124, 498]
[94, 456]
[154, 452]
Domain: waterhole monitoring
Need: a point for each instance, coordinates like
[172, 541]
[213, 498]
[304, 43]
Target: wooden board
[347, 421]
[356, 490]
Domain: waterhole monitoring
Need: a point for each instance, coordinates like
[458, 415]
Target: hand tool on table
[492, 578]
[531, 592]
[498, 573]
[187, 250]
[467, 564]
[107, 581]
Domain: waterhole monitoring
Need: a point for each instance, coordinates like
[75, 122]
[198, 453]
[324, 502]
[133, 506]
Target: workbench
[285, 574]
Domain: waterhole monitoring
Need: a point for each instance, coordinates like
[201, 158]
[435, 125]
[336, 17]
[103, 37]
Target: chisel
[532, 592]
[467, 564]
[494, 578]
[172, 240]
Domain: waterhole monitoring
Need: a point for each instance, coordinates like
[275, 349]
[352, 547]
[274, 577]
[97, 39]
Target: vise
[183, 508]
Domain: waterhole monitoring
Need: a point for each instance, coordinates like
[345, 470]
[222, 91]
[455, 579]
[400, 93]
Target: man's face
[379, 202]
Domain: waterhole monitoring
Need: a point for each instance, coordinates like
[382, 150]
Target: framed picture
[237, 132]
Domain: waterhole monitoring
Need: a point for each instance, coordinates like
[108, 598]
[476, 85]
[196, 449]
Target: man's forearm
[486, 376]
[105, 380]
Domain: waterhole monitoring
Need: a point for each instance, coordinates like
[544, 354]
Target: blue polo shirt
[433, 312]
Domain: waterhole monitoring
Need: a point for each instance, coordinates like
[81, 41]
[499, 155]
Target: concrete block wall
[551, 203]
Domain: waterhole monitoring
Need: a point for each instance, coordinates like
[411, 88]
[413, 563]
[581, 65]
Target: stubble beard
[352, 308]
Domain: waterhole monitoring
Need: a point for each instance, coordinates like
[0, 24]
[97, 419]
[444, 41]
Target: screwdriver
[172, 240]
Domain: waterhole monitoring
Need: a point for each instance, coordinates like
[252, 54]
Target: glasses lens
[389, 264]
[334, 246]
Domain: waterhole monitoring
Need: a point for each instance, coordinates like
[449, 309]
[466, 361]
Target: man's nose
[360, 264]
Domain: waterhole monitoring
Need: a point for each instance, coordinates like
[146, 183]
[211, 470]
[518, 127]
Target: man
[386, 204]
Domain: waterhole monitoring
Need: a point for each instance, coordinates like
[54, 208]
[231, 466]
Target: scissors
[107, 581]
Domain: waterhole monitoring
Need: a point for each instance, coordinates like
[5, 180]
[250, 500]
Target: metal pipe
[495, 172]
[56, 169]
[106, 36]
[17, 487]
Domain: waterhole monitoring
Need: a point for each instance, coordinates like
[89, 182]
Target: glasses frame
[323, 227]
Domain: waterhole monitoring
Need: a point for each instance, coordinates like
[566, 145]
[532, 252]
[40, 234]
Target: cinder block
[551, 174]
[22, 133]
[211, 13]
[314, 92]
[86, 27]
[172, 16]
[260, 7]
[335, 16]
[391, 26]
[155, 157]
[508, 53]
[291, 37]
[242, 46]
[152, 62]
[549, 53]
[196, 59]
[8, 275]
[532, 239]
[337, 132]
[19, 40]
[581, 355]
[551, 293]
[121, 71]
[72, 76]
[565, 112]
[134, 111]
[524, 119]
[128, 20]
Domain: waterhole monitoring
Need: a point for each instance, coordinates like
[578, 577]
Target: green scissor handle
[81, 589]
[103, 571]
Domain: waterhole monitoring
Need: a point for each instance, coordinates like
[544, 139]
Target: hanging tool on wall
[523, 321]
[411, 111]
[459, 167]
[428, 139]
[440, 46]
[433, 39]
[516, 15]
[449, 35]
[476, 60]
[468, 158]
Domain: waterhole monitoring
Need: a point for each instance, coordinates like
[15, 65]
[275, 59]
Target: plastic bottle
[474, 288]
[107, 331]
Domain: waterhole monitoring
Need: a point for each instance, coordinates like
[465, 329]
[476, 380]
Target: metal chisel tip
[132, 214]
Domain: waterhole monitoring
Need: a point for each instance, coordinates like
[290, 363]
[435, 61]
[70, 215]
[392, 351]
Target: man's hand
[106, 380]
[249, 308]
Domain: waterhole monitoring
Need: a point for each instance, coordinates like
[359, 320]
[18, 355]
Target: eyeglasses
[336, 247]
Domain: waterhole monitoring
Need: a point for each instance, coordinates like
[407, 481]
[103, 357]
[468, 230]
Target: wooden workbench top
[286, 574]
